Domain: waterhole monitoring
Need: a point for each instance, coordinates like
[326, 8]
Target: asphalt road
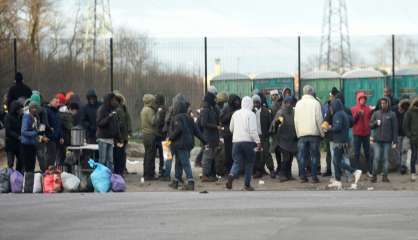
[216, 215]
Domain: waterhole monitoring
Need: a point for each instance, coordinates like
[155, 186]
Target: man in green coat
[410, 126]
[149, 130]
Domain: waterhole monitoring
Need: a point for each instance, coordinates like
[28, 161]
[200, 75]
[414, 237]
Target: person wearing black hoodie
[108, 131]
[161, 135]
[403, 141]
[234, 104]
[13, 125]
[181, 134]
[88, 116]
[18, 90]
[209, 123]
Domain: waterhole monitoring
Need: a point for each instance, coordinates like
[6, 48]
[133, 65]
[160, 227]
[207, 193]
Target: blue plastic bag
[100, 177]
[118, 184]
[16, 181]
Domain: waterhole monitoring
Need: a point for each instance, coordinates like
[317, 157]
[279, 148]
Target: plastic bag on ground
[52, 181]
[5, 180]
[100, 177]
[37, 183]
[86, 185]
[16, 182]
[118, 183]
[28, 181]
[70, 182]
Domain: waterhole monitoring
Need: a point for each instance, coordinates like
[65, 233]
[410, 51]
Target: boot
[385, 179]
[174, 185]
[373, 179]
[229, 182]
[189, 186]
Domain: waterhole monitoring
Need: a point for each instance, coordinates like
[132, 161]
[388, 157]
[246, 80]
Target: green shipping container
[323, 82]
[233, 83]
[370, 81]
[266, 82]
[406, 83]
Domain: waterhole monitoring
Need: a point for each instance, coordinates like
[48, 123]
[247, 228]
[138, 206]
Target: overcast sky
[195, 18]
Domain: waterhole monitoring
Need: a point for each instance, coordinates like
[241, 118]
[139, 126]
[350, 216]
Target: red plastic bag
[52, 180]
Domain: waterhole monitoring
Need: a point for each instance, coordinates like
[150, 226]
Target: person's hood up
[159, 100]
[14, 107]
[120, 97]
[74, 98]
[413, 104]
[247, 103]
[180, 107]
[210, 99]
[213, 90]
[61, 98]
[256, 98]
[404, 102]
[340, 96]
[178, 98]
[359, 95]
[337, 105]
[149, 100]
[19, 77]
[288, 99]
[107, 98]
[287, 89]
[91, 93]
[233, 98]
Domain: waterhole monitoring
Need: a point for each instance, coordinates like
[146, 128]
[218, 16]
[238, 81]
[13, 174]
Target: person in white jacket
[308, 120]
[245, 141]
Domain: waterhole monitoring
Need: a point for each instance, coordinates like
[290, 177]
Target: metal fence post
[299, 69]
[393, 63]
[15, 54]
[206, 65]
[111, 64]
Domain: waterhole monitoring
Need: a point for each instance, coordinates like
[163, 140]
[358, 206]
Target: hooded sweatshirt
[361, 122]
[285, 135]
[341, 122]
[244, 123]
[226, 114]
[107, 124]
[209, 120]
[387, 132]
[410, 123]
[89, 115]
[148, 116]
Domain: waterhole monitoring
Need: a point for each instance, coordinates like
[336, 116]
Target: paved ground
[217, 215]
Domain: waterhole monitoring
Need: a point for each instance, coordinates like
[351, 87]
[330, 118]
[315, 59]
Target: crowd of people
[238, 136]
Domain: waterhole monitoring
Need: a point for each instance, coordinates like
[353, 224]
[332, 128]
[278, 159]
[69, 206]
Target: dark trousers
[52, 154]
[414, 156]
[28, 154]
[11, 156]
[329, 156]
[149, 158]
[228, 153]
[119, 156]
[263, 158]
[308, 151]
[159, 146]
[183, 164]
[286, 170]
[359, 141]
[278, 154]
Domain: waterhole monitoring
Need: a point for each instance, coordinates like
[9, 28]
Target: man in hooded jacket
[18, 90]
[410, 126]
[89, 115]
[13, 125]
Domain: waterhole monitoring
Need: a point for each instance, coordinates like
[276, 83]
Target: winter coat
[13, 126]
[226, 114]
[54, 132]
[284, 135]
[361, 122]
[244, 123]
[125, 124]
[308, 117]
[209, 120]
[89, 116]
[28, 132]
[183, 129]
[341, 122]
[107, 123]
[265, 121]
[67, 122]
[17, 91]
[387, 132]
[148, 116]
[410, 123]
[401, 115]
[275, 106]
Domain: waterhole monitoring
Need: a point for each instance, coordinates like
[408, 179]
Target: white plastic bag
[70, 182]
[37, 183]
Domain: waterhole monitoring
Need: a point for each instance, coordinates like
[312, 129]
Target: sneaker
[369, 175]
[189, 186]
[315, 180]
[357, 175]
[385, 179]
[373, 179]
[336, 184]
[174, 185]
[353, 186]
[247, 189]
[228, 184]
[403, 170]
[413, 177]
[331, 180]
[272, 174]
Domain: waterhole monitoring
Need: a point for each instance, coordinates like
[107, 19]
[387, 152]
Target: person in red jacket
[361, 130]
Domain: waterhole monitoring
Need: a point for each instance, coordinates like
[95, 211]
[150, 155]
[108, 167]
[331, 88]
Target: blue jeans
[183, 158]
[308, 145]
[414, 156]
[243, 152]
[106, 154]
[359, 141]
[339, 161]
[167, 167]
[381, 154]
